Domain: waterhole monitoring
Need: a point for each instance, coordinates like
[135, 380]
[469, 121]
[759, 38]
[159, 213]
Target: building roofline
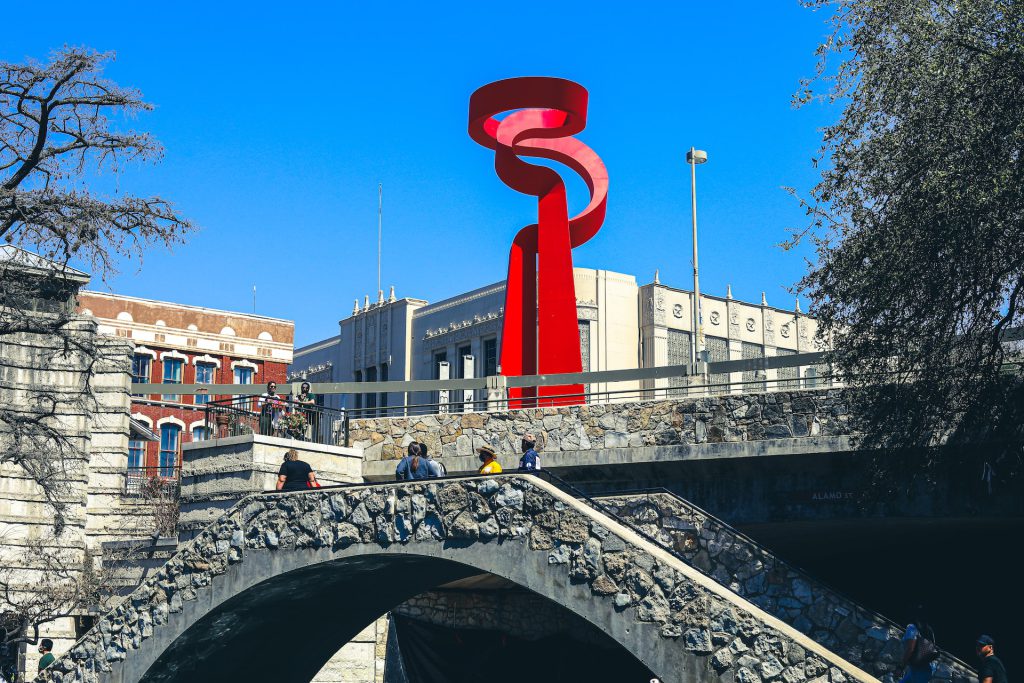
[317, 345]
[724, 299]
[373, 306]
[31, 262]
[472, 294]
[253, 316]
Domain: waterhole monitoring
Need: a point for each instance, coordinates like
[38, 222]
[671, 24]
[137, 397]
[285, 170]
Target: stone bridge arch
[272, 589]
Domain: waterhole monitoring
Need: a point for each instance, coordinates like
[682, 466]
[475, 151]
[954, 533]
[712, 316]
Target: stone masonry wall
[520, 613]
[720, 637]
[710, 545]
[743, 417]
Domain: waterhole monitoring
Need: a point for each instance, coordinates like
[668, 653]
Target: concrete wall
[218, 473]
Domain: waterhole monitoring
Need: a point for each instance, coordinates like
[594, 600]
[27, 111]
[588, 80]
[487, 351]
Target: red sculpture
[540, 333]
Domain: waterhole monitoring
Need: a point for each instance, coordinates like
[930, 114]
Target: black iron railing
[150, 482]
[280, 417]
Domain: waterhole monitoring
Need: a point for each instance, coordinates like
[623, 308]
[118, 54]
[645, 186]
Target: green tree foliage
[918, 219]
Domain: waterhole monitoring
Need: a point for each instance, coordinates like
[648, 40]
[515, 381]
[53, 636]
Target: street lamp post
[694, 157]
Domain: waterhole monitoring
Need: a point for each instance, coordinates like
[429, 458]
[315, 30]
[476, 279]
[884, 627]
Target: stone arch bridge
[276, 585]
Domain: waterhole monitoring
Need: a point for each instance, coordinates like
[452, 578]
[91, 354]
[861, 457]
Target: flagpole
[380, 214]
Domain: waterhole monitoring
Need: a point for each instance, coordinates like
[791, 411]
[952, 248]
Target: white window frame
[246, 364]
[207, 358]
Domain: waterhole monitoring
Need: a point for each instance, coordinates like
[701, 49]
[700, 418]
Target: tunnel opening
[287, 627]
[486, 626]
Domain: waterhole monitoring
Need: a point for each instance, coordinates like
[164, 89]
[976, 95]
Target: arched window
[170, 443]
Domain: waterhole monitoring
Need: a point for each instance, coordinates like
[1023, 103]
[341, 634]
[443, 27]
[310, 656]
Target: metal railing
[245, 411]
[151, 482]
[279, 417]
[709, 389]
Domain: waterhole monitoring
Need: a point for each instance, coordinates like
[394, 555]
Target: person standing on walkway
[295, 474]
[919, 650]
[271, 406]
[308, 407]
[489, 459]
[413, 465]
[530, 462]
[45, 647]
[435, 469]
[991, 669]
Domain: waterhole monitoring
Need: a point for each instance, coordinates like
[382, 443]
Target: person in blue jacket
[530, 462]
[413, 465]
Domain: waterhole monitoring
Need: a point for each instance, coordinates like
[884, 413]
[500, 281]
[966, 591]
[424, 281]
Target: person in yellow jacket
[489, 459]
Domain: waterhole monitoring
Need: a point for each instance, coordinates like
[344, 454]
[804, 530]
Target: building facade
[179, 344]
[621, 326]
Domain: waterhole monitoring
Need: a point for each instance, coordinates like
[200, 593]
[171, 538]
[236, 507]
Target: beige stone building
[622, 326]
[92, 467]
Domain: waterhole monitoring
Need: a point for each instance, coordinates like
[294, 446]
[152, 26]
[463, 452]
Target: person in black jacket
[991, 669]
[295, 474]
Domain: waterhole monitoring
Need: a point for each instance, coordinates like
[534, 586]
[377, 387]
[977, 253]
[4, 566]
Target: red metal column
[540, 333]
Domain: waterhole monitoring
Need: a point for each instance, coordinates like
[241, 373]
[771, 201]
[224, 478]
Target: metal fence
[247, 412]
[278, 417]
[152, 482]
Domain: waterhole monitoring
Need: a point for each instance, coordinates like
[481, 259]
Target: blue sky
[280, 119]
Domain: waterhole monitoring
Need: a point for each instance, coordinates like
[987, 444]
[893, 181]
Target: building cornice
[459, 300]
[188, 307]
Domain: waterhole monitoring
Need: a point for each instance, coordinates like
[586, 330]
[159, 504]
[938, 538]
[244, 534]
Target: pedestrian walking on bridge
[919, 650]
[295, 474]
[435, 469]
[413, 466]
[489, 459]
[991, 669]
[530, 462]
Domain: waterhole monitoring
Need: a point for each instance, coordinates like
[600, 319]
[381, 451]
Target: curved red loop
[540, 333]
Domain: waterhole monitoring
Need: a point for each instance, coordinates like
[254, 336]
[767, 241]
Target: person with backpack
[412, 466]
[991, 669]
[435, 468]
[530, 462]
[919, 651]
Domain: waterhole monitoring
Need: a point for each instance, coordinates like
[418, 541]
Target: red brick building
[179, 344]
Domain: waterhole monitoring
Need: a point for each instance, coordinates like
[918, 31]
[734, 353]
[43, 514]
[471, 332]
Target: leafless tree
[62, 125]
[65, 582]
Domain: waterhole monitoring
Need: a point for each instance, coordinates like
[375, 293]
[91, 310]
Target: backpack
[436, 469]
[925, 650]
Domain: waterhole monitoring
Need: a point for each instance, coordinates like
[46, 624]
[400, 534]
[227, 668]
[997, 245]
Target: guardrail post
[497, 393]
[345, 422]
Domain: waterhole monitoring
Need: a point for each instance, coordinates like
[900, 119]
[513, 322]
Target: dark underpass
[965, 571]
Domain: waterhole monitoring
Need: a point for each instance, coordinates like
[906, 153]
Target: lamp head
[696, 156]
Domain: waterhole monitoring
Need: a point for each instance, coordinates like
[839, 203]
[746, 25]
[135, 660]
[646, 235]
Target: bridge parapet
[678, 622]
[635, 424]
[733, 559]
